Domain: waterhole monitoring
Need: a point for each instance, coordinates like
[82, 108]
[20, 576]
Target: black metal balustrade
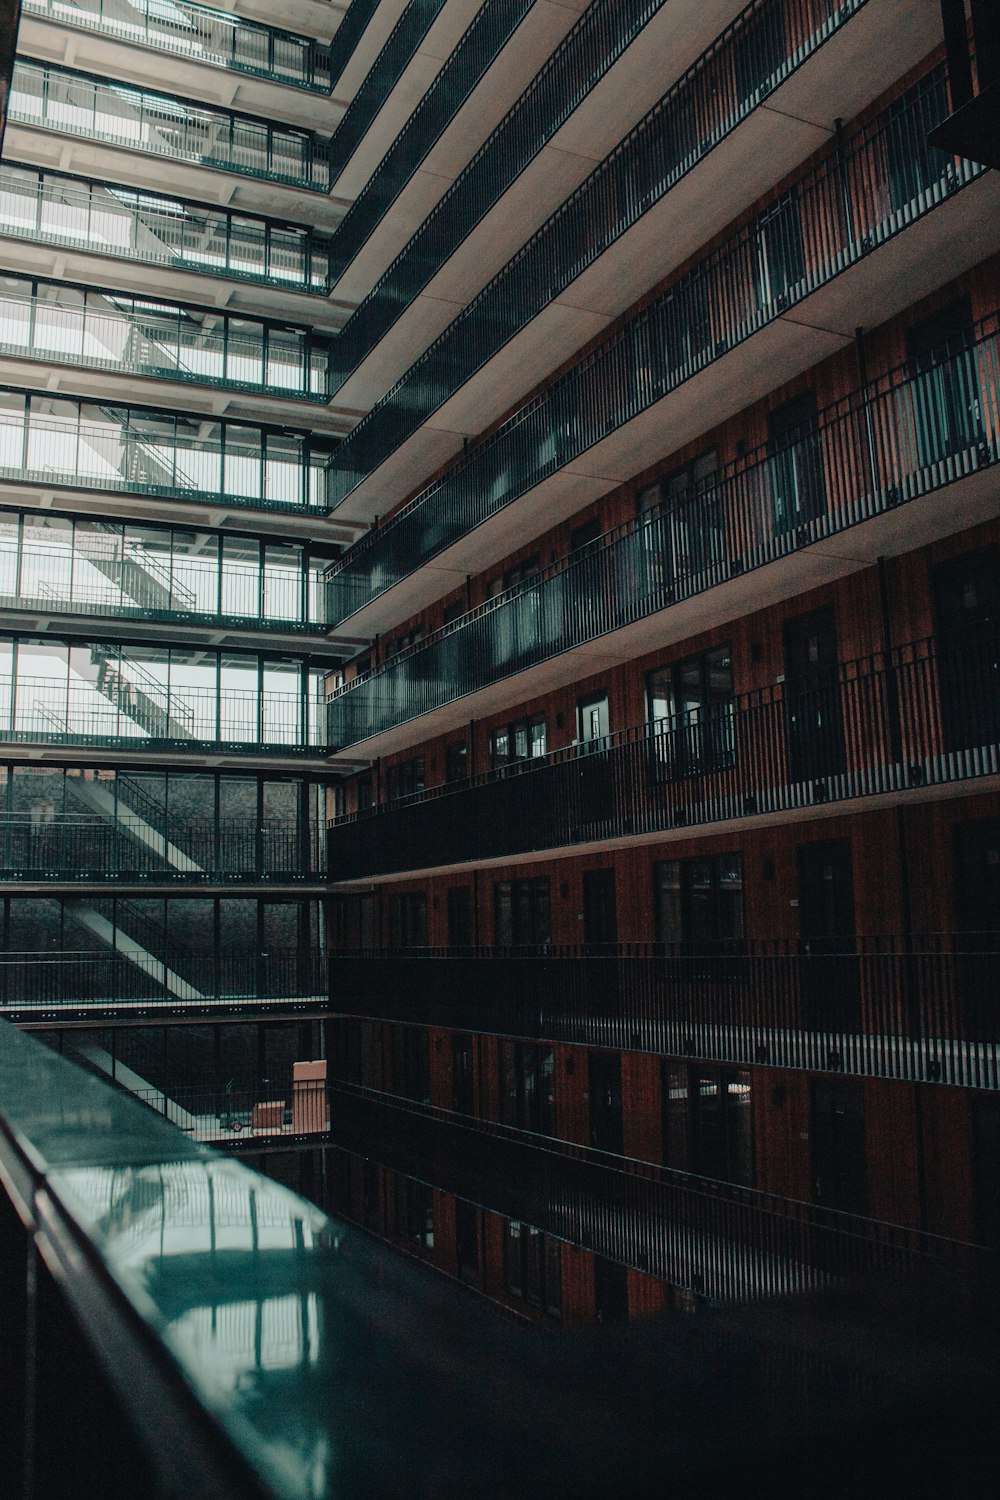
[487, 34]
[135, 224]
[923, 714]
[750, 59]
[243, 1113]
[65, 101]
[873, 184]
[204, 35]
[919, 1008]
[590, 48]
[901, 436]
[52, 984]
[711, 1237]
[139, 450]
[177, 1325]
[78, 847]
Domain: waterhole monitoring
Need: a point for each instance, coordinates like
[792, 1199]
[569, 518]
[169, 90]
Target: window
[533, 1267]
[521, 913]
[456, 762]
[408, 920]
[947, 403]
[780, 250]
[524, 740]
[401, 642]
[453, 611]
[519, 573]
[527, 1098]
[689, 705]
[410, 1063]
[463, 1087]
[798, 485]
[699, 900]
[683, 525]
[406, 779]
[707, 1122]
[415, 1212]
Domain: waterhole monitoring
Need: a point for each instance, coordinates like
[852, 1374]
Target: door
[610, 1291]
[462, 1090]
[814, 724]
[604, 1071]
[798, 491]
[966, 593]
[595, 773]
[467, 1242]
[828, 968]
[945, 383]
[460, 932]
[977, 886]
[600, 910]
[838, 1145]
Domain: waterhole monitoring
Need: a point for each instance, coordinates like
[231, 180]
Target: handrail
[101, 329]
[202, 34]
[878, 447]
[706, 313]
[48, 97]
[53, 208]
[924, 713]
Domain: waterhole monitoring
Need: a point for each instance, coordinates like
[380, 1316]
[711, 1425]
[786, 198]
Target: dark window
[780, 253]
[533, 1267]
[467, 1242]
[690, 706]
[795, 464]
[699, 900]
[456, 762]
[522, 913]
[463, 1092]
[364, 791]
[408, 920]
[406, 779]
[453, 611]
[519, 573]
[415, 1212]
[410, 1063]
[527, 1098]
[460, 926]
[402, 641]
[707, 1122]
[523, 740]
[947, 404]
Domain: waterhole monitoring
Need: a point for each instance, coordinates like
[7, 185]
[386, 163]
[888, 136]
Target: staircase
[140, 951]
[141, 698]
[140, 575]
[140, 816]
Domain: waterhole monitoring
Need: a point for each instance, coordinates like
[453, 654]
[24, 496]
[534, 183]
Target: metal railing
[105, 330]
[920, 1008]
[750, 59]
[79, 566]
[32, 984]
[922, 714]
[590, 48]
[104, 218]
[414, 22]
[880, 179]
[137, 450]
[488, 33]
[125, 710]
[242, 1112]
[903, 435]
[46, 847]
[712, 1237]
[118, 114]
[216, 37]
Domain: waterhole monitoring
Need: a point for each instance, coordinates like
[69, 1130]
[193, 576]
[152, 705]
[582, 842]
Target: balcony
[62, 325]
[687, 359]
[757, 53]
[146, 977]
[217, 38]
[147, 228]
[137, 697]
[55, 565]
[69, 443]
[488, 33]
[924, 714]
[729, 1242]
[918, 1009]
[191, 1328]
[873, 460]
[44, 848]
[133, 119]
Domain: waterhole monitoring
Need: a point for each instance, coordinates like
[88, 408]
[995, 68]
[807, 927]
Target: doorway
[814, 722]
[828, 968]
